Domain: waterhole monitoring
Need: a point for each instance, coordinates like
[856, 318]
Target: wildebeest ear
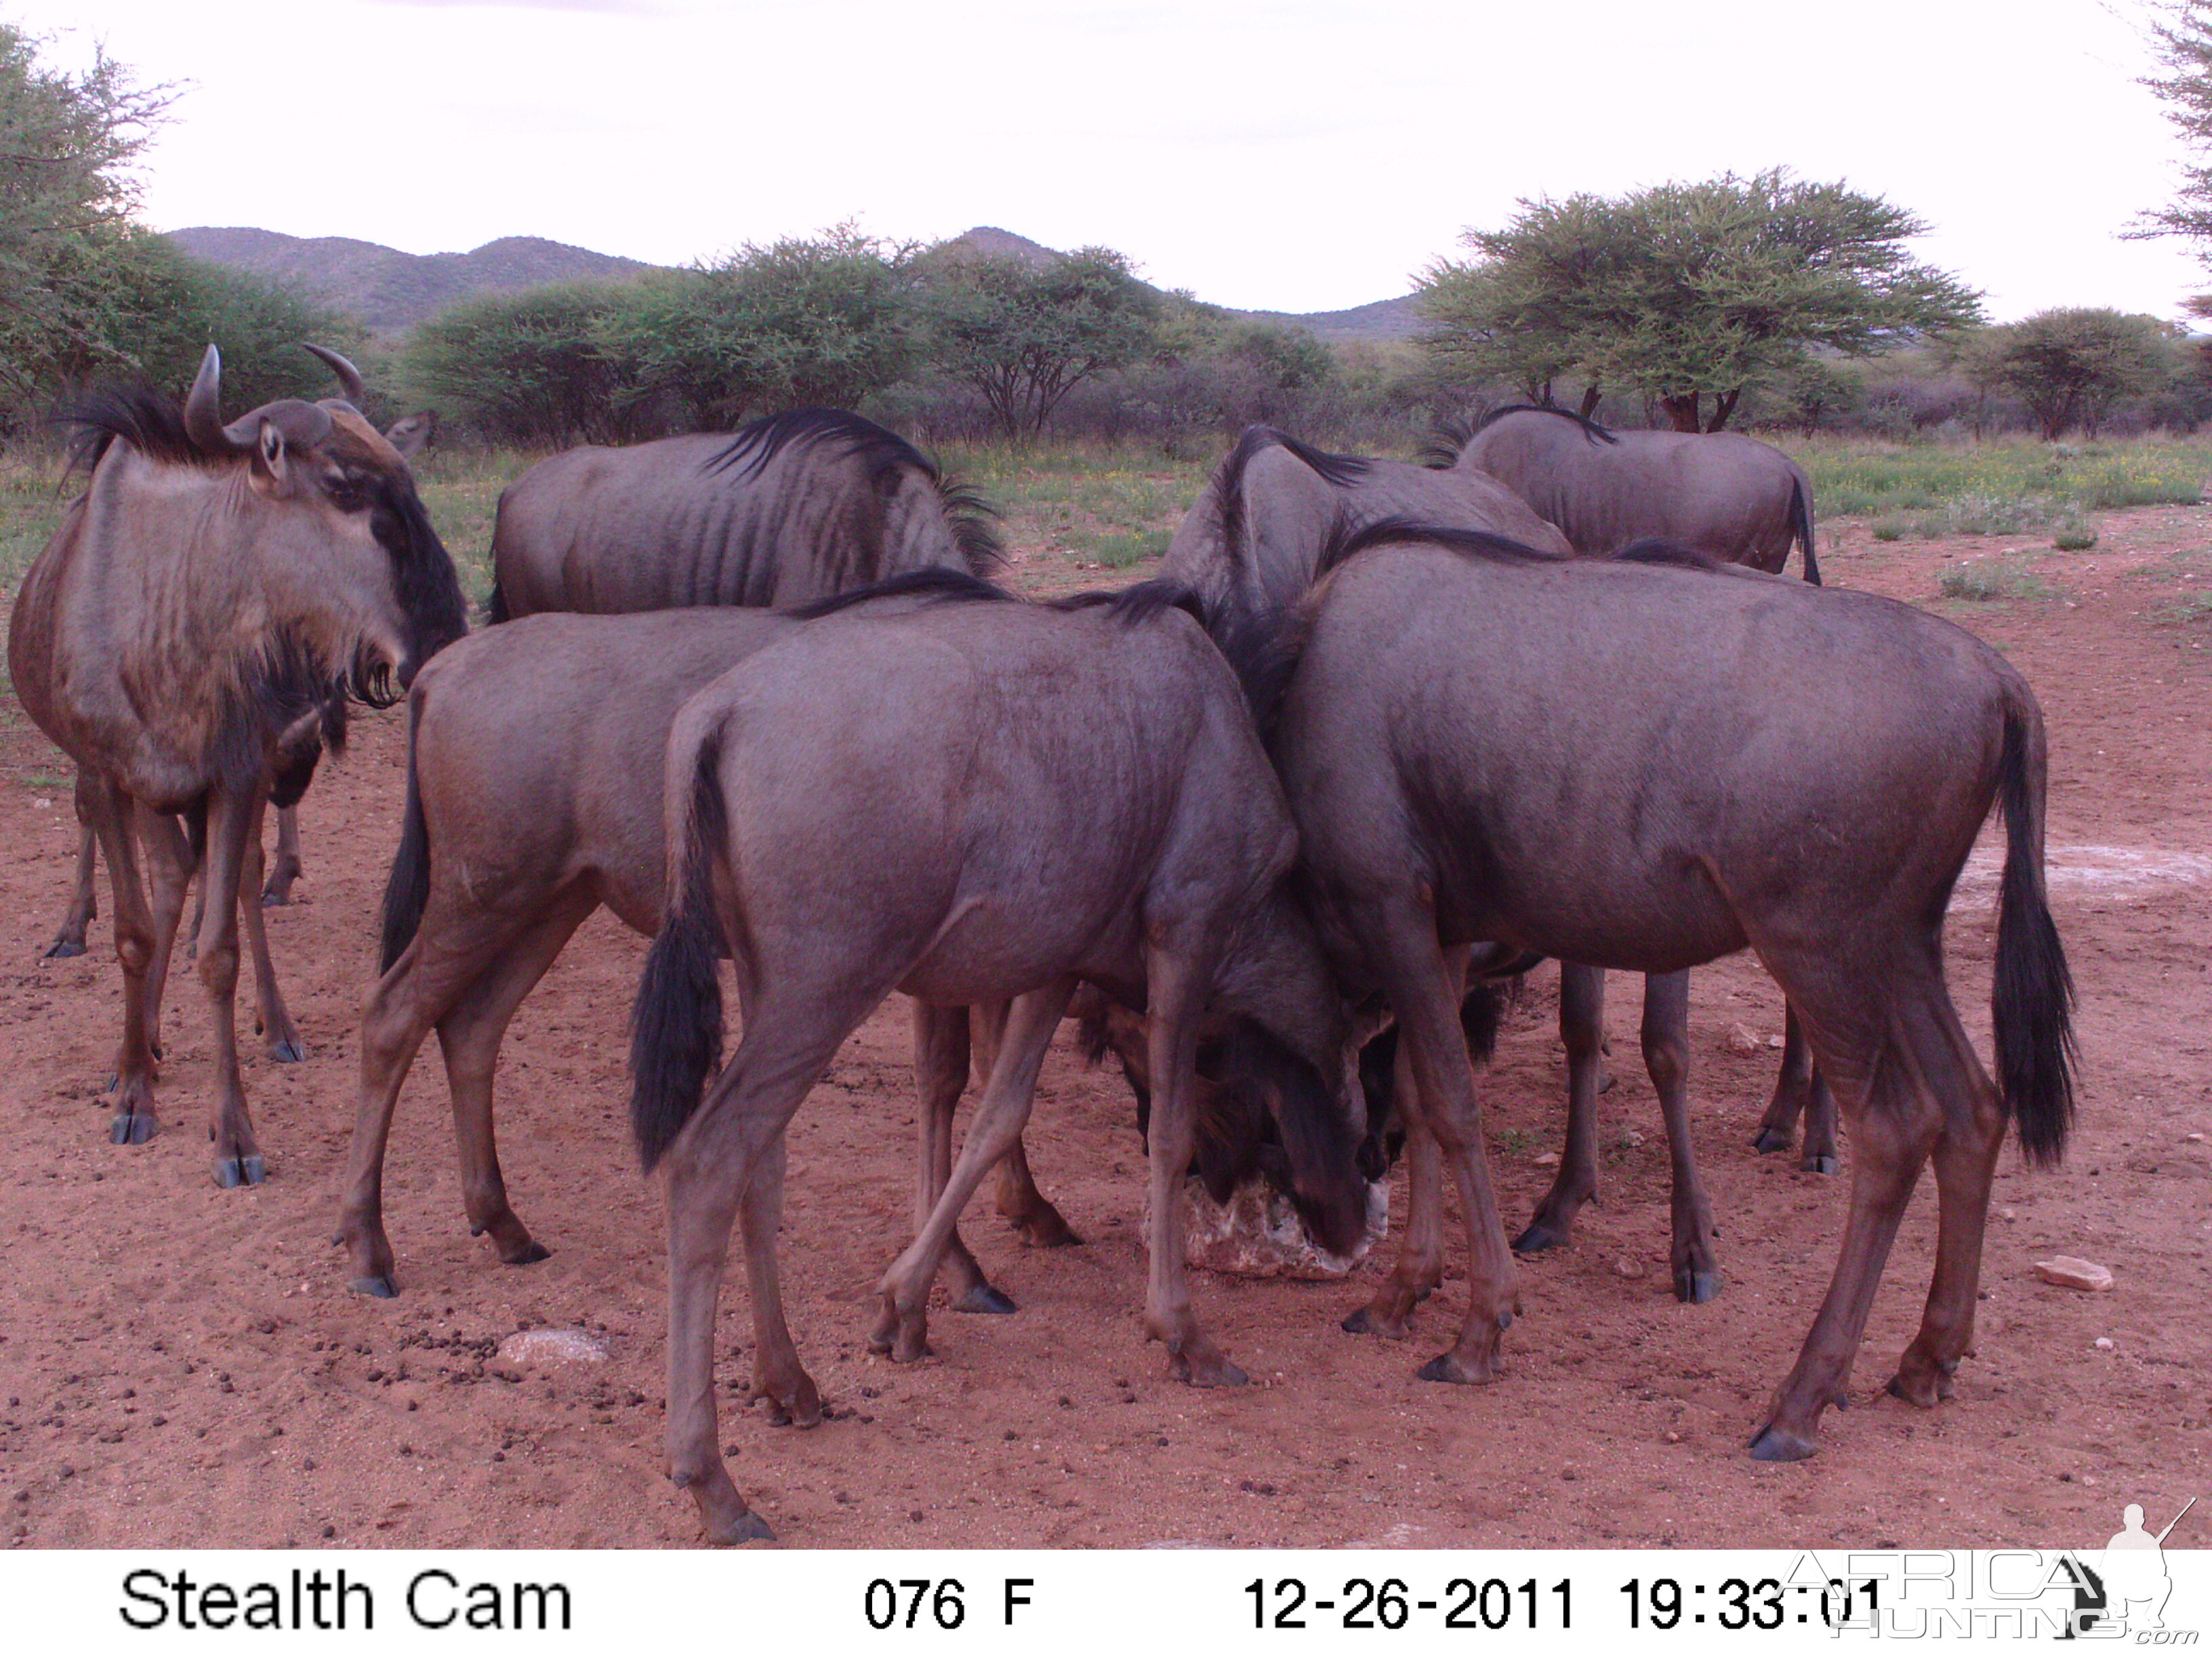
[411, 434]
[272, 473]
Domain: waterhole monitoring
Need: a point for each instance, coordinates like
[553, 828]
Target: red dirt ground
[182, 1365]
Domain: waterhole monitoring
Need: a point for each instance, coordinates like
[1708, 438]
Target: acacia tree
[1024, 337]
[1688, 292]
[2069, 365]
[2182, 37]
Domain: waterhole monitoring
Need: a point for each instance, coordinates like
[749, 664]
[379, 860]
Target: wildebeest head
[350, 565]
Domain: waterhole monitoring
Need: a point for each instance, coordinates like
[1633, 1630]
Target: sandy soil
[183, 1366]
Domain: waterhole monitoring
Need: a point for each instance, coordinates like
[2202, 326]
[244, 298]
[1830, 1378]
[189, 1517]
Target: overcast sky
[1295, 156]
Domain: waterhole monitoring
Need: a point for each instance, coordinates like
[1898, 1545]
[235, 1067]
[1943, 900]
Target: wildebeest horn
[203, 407]
[349, 376]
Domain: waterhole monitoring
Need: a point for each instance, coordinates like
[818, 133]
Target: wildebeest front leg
[940, 1074]
[271, 1018]
[1174, 993]
[1420, 1265]
[1666, 1034]
[277, 890]
[238, 1159]
[902, 1328]
[1800, 1088]
[168, 873]
[1582, 1031]
[1027, 1210]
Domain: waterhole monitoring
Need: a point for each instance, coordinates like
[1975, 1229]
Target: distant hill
[391, 291]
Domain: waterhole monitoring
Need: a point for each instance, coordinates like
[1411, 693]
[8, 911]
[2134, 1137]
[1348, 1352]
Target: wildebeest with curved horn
[1584, 758]
[214, 587]
[975, 802]
[792, 508]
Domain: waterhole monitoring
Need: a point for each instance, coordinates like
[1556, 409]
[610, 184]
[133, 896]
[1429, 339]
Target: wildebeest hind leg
[1894, 1125]
[732, 1144]
[1965, 1162]
[1027, 1210]
[901, 1328]
[940, 1074]
[84, 902]
[1420, 1265]
[1582, 1032]
[286, 869]
[135, 1120]
[1799, 1088]
[271, 1018]
[1695, 1265]
[470, 1035]
[168, 873]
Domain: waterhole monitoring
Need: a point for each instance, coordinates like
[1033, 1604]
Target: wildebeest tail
[676, 1030]
[2033, 997]
[408, 889]
[1801, 522]
[1326, 1186]
[496, 607]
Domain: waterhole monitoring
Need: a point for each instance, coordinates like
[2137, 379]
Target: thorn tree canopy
[1684, 292]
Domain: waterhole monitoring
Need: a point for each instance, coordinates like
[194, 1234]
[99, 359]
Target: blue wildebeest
[1731, 498]
[211, 592]
[1011, 797]
[1585, 759]
[409, 436]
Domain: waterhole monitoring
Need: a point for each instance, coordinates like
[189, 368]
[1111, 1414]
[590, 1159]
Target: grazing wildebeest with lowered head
[977, 801]
[215, 587]
[1585, 759]
[791, 509]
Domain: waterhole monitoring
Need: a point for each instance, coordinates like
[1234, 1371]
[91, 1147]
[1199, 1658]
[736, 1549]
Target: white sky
[1297, 156]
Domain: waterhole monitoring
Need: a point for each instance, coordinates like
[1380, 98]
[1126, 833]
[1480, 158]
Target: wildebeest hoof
[289, 1051]
[249, 1171]
[1696, 1287]
[1044, 1229]
[379, 1285]
[532, 1252]
[1450, 1368]
[133, 1129]
[746, 1527]
[1776, 1444]
[272, 899]
[1202, 1365]
[1540, 1236]
[1923, 1382]
[798, 1406]
[64, 946]
[1821, 1166]
[1386, 1316]
[985, 1299]
[1769, 1140]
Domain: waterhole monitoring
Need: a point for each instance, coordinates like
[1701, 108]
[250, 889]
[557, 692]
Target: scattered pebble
[1628, 1269]
[2075, 1273]
[1548, 1160]
[2103, 1344]
[1741, 1039]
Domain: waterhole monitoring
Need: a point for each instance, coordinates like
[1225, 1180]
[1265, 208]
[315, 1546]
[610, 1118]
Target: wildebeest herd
[1376, 733]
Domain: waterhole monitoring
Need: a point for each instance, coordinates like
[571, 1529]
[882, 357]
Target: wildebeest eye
[348, 494]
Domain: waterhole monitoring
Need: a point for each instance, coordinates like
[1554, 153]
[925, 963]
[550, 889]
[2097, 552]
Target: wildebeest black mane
[1340, 471]
[884, 452]
[149, 422]
[935, 585]
[1591, 430]
[1139, 604]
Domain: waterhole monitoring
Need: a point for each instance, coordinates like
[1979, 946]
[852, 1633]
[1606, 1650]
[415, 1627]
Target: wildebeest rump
[980, 801]
[792, 508]
[1585, 759]
[214, 587]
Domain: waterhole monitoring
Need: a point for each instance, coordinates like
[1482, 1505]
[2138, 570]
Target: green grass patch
[2000, 487]
[1986, 580]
